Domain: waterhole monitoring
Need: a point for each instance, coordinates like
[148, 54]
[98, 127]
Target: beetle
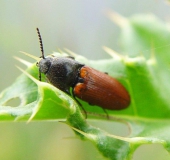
[84, 82]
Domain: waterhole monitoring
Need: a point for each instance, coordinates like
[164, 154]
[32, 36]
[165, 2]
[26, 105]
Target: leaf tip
[70, 52]
[22, 61]
[117, 18]
[27, 74]
[30, 55]
[112, 53]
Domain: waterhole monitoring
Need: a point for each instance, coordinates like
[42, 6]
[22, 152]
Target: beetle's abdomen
[102, 90]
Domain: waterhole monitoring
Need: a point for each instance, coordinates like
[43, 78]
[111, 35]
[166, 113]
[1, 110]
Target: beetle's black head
[45, 64]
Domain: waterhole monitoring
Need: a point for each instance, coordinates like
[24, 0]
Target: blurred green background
[82, 27]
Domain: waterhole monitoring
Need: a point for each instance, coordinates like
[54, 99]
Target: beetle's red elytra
[102, 90]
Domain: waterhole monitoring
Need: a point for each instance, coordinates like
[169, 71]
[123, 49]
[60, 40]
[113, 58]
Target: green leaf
[143, 70]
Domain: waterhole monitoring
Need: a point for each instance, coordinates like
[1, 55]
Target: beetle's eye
[37, 64]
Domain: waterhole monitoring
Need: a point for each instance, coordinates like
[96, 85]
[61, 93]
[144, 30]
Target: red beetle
[88, 84]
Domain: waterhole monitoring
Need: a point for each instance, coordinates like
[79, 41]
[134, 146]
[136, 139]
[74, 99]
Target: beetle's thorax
[62, 72]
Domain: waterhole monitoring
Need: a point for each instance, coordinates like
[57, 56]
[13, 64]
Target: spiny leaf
[145, 74]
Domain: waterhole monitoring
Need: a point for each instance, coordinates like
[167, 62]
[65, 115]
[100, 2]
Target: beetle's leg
[107, 115]
[79, 104]
[39, 75]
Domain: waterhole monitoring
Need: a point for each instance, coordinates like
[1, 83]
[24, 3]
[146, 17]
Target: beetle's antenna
[42, 50]
[41, 44]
